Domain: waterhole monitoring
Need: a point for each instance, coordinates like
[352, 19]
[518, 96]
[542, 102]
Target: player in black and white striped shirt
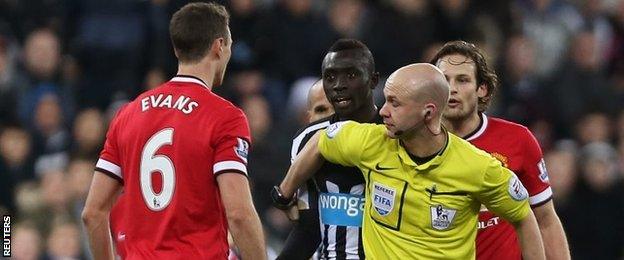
[331, 204]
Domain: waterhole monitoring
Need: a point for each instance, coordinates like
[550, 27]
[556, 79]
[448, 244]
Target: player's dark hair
[353, 44]
[194, 27]
[484, 73]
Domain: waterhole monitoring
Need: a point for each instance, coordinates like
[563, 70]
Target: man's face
[318, 105]
[347, 81]
[401, 111]
[225, 58]
[460, 72]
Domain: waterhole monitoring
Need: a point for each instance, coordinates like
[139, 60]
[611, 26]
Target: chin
[455, 115]
[390, 134]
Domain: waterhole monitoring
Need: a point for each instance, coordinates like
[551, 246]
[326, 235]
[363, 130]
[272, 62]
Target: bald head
[421, 81]
[318, 105]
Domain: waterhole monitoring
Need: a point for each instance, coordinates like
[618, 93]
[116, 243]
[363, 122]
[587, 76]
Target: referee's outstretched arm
[530, 238]
[308, 161]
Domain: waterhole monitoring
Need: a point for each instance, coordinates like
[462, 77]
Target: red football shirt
[167, 147]
[518, 150]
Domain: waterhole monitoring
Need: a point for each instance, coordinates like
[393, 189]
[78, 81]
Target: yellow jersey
[426, 211]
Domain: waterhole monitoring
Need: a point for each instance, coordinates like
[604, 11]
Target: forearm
[97, 225]
[553, 235]
[308, 161]
[530, 238]
[248, 236]
[304, 238]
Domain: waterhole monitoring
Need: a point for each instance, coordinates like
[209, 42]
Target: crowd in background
[66, 66]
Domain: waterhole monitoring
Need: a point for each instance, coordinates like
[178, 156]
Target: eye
[320, 109]
[352, 75]
[463, 80]
[329, 76]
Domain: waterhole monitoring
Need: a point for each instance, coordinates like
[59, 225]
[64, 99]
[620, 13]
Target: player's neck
[198, 71]
[463, 127]
[423, 143]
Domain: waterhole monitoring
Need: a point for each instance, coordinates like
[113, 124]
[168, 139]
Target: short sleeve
[503, 193]
[109, 162]
[231, 143]
[342, 142]
[534, 175]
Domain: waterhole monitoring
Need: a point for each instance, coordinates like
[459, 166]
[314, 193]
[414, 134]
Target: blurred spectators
[26, 242]
[593, 226]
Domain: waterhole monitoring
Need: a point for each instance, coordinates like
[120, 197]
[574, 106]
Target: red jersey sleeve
[231, 143]
[535, 176]
[109, 161]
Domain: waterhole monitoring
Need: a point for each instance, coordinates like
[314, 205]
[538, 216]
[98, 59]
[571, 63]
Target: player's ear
[374, 80]
[482, 91]
[217, 47]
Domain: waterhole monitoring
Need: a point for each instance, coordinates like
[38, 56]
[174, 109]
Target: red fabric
[192, 225]
[518, 150]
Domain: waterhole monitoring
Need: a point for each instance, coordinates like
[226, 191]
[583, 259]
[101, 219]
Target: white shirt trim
[297, 141]
[109, 166]
[541, 197]
[189, 80]
[481, 130]
[229, 165]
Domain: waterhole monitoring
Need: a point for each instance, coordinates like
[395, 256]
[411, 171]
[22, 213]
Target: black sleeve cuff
[110, 174]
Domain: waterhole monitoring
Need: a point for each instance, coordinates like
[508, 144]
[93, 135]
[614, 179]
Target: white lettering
[190, 107]
[6, 236]
[144, 104]
[352, 205]
[155, 101]
[181, 102]
[489, 223]
[166, 102]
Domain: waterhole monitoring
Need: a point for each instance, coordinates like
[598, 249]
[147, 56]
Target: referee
[424, 185]
[349, 77]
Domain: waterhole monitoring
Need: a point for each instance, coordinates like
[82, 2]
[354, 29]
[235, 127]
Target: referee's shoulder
[305, 133]
[466, 148]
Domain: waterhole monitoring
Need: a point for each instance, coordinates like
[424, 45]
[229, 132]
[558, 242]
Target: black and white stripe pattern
[337, 242]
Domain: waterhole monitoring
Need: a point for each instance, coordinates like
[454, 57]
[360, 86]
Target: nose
[340, 84]
[383, 112]
[452, 87]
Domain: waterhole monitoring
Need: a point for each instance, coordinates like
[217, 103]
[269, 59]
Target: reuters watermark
[6, 236]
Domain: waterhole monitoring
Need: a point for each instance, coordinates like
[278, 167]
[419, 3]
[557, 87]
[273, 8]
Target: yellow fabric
[427, 211]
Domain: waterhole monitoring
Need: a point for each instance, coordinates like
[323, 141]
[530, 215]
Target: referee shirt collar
[406, 159]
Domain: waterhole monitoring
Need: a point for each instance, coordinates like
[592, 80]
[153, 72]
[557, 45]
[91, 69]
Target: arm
[529, 237]
[303, 168]
[552, 231]
[243, 221]
[304, 238]
[95, 214]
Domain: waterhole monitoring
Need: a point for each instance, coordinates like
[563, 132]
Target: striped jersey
[337, 194]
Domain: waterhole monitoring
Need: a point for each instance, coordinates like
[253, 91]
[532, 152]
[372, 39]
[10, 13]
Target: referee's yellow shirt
[427, 211]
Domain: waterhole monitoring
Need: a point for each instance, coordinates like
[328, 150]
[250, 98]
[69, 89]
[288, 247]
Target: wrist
[279, 200]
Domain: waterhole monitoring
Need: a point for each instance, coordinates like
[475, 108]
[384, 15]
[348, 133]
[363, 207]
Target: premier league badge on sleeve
[333, 129]
[441, 218]
[516, 190]
[242, 149]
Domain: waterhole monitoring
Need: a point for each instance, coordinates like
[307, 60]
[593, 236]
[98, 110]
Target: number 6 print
[150, 162]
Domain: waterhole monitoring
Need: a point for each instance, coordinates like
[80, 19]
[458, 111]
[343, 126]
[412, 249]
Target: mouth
[453, 103]
[342, 102]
